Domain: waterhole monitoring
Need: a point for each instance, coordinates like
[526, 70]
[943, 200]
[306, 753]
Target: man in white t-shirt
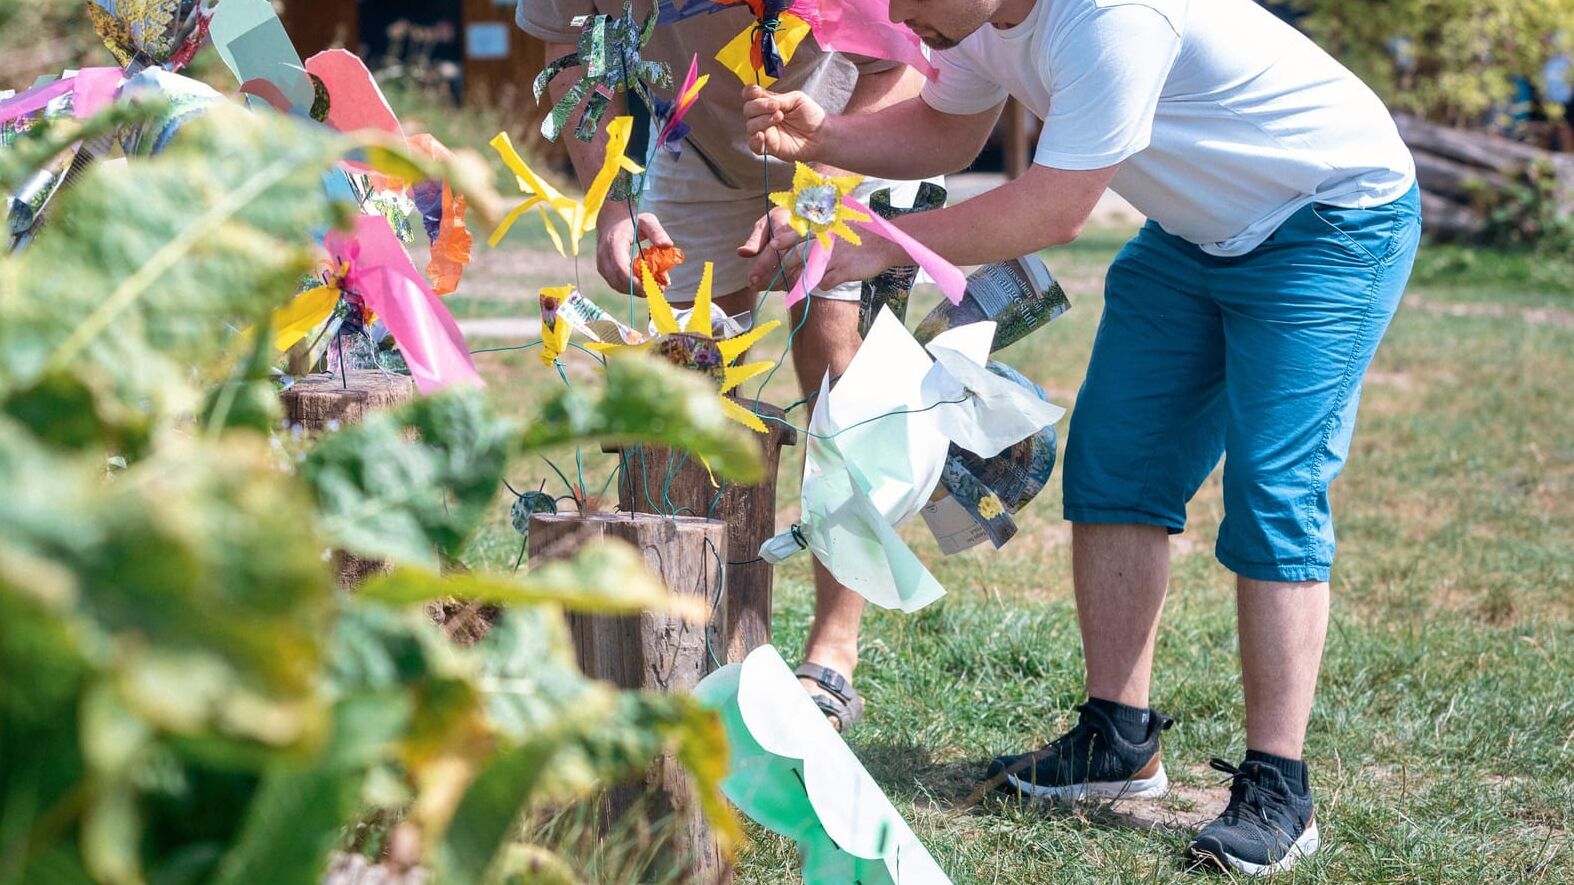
[1284, 221]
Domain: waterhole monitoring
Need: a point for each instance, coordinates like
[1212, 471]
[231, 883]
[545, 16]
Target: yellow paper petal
[789, 34]
[557, 240]
[741, 415]
[846, 233]
[618, 133]
[709, 472]
[735, 57]
[660, 311]
[699, 318]
[803, 177]
[784, 199]
[736, 375]
[694, 91]
[732, 348]
[504, 226]
[845, 184]
[555, 340]
[304, 312]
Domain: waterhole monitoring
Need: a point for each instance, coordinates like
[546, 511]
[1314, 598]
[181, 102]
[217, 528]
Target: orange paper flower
[659, 261]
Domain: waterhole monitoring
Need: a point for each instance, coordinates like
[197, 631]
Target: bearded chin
[940, 42]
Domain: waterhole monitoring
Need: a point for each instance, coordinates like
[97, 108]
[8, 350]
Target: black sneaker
[1091, 760]
[1267, 827]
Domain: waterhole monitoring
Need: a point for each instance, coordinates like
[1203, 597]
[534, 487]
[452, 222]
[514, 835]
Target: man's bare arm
[907, 140]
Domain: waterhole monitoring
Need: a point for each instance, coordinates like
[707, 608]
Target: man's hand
[789, 126]
[848, 263]
[615, 239]
[771, 240]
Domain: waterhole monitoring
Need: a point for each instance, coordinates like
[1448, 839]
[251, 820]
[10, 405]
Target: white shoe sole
[1305, 846]
[1145, 788]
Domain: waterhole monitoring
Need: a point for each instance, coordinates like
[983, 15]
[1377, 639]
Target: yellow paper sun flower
[815, 205]
[554, 334]
[694, 345]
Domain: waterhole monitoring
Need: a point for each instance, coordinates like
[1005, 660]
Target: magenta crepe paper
[864, 27]
[94, 89]
[380, 271]
[944, 273]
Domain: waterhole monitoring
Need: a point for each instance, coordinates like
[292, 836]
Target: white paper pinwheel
[793, 774]
[877, 446]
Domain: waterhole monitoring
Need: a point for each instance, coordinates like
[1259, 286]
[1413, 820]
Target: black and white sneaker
[1267, 827]
[1091, 760]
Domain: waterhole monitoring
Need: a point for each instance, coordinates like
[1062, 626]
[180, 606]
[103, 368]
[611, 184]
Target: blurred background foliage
[185, 694]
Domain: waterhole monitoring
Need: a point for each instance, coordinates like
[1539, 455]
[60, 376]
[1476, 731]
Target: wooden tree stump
[319, 403]
[748, 511]
[653, 652]
[322, 402]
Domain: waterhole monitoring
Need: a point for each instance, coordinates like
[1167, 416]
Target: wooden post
[659, 480]
[324, 402]
[654, 652]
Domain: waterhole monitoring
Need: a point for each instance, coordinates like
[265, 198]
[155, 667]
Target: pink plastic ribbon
[945, 274]
[382, 274]
[93, 88]
[864, 27]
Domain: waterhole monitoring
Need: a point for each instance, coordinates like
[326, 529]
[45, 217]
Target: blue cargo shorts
[1258, 358]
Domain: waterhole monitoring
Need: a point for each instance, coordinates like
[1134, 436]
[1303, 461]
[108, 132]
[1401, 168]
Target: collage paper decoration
[858, 487]
[152, 33]
[609, 53]
[372, 267]
[697, 346]
[791, 772]
[856, 27]
[821, 207]
[578, 217]
[669, 114]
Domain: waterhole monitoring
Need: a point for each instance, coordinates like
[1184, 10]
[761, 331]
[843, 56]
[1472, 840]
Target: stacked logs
[1463, 172]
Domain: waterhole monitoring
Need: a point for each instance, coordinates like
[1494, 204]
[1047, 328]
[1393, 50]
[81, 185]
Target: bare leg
[826, 343]
[1120, 573]
[1282, 628]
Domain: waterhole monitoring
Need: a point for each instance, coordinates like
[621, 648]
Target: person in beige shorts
[710, 201]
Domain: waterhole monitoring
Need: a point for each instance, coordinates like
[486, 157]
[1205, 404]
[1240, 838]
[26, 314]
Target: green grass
[1442, 746]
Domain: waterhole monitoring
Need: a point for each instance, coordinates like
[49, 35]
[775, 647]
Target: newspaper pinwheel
[609, 52]
[878, 446]
[152, 33]
[579, 217]
[790, 772]
[821, 206]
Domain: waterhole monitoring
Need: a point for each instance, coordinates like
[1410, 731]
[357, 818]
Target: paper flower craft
[578, 217]
[696, 346]
[759, 52]
[564, 311]
[373, 268]
[253, 44]
[609, 51]
[789, 771]
[659, 260]
[858, 486]
[669, 114]
[822, 206]
[151, 33]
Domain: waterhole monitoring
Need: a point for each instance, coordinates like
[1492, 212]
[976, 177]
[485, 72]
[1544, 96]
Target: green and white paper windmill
[793, 774]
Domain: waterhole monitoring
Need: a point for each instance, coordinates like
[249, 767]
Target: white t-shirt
[1227, 119]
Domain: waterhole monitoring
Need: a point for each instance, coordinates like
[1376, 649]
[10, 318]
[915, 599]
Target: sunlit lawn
[1442, 747]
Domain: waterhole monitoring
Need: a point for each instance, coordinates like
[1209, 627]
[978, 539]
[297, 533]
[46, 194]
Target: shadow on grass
[910, 774]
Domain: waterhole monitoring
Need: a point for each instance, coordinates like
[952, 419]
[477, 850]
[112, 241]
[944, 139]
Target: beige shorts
[709, 224]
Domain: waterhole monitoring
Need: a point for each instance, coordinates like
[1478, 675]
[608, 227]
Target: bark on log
[323, 402]
[653, 652]
[659, 480]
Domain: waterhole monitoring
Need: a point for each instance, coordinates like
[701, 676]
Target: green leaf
[609, 577]
[483, 825]
[403, 485]
[291, 826]
[648, 401]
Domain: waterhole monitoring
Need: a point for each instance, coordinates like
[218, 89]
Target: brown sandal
[841, 704]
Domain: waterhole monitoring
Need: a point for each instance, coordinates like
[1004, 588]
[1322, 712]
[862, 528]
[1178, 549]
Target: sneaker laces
[1248, 792]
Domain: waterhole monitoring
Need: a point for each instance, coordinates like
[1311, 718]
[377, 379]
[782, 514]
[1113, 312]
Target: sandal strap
[828, 679]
